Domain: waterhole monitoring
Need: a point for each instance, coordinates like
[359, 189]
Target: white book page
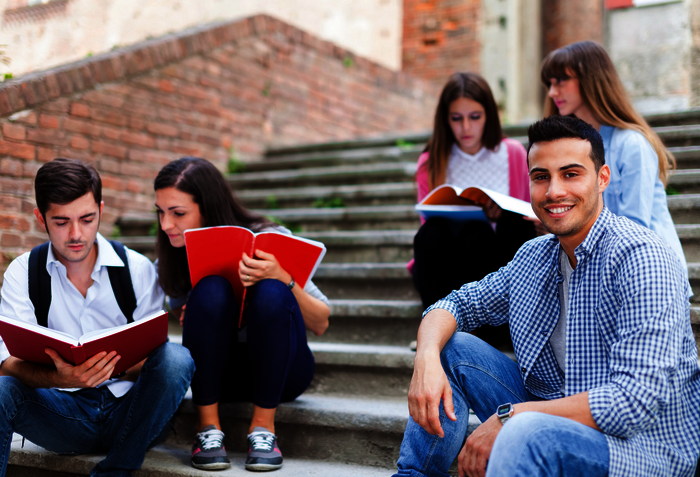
[507, 202]
[97, 334]
[58, 335]
[304, 239]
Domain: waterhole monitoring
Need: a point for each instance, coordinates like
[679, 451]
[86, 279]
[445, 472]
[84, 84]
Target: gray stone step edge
[170, 460]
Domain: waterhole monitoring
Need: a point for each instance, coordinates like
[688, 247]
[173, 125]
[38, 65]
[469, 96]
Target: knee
[212, 295]
[431, 232]
[462, 347]
[270, 301]
[172, 362]
[10, 393]
[527, 430]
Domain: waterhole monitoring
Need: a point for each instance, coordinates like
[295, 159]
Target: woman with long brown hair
[268, 360]
[467, 148]
[581, 80]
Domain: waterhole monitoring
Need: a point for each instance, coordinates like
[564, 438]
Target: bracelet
[291, 284]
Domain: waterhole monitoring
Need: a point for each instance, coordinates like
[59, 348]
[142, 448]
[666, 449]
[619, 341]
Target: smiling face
[565, 190]
[177, 212]
[72, 227]
[467, 119]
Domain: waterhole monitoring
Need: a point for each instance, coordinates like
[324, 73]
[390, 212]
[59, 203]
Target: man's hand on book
[252, 270]
[90, 374]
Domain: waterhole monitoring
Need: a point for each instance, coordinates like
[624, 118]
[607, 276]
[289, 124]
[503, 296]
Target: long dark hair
[217, 206]
[602, 91]
[460, 85]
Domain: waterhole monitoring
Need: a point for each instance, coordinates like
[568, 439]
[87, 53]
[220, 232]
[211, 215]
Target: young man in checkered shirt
[606, 380]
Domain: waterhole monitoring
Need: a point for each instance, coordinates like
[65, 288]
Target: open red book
[133, 341]
[218, 250]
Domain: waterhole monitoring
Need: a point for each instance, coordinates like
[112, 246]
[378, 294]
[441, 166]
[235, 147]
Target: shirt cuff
[447, 305]
[4, 354]
[605, 414]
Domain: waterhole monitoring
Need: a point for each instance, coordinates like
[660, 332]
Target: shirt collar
[106, 256]
[469, 157]
[594, 235]
[606, 133]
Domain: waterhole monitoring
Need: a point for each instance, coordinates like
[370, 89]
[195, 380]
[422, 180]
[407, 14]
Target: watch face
[504, 409]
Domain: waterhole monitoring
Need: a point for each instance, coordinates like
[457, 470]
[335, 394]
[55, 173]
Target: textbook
[218, 250]
[466, 204]
[133, 341]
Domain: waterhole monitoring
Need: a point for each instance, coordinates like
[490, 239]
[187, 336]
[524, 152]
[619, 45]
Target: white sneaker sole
[262, 467]
[212, 466]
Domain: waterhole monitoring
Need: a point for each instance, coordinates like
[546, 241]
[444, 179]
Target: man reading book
[85, 409]
[606, 380]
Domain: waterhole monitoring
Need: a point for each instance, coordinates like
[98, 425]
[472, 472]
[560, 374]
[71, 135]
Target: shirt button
[523, 370]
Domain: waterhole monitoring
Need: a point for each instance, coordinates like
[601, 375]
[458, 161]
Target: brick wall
[441, 37]
[564, 22]
[244, 85]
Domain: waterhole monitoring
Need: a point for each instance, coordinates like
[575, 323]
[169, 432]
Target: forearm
[29, 374]
[574, 407]
[314, 311]
[435, 331]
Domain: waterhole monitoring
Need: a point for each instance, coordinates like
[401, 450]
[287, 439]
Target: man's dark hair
[62, 181]
[564, 127]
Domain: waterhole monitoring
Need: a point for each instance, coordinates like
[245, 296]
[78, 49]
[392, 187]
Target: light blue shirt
[74, 314]
[629, 342]
[635, 190]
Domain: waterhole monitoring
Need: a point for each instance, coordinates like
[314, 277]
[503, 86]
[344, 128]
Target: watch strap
[291, 283]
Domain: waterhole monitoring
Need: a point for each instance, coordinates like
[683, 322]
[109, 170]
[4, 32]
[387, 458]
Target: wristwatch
[291, 284]
[504, 412]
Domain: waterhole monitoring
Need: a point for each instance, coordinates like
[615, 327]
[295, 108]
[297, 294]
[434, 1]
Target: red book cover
[133, 342]
[218, 251]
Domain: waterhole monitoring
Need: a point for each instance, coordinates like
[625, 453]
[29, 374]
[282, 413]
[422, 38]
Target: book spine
[78, 354]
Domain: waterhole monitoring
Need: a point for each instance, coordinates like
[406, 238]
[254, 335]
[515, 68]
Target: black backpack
[40, 283]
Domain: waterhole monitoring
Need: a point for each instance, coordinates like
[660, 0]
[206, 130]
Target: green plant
[405, 145]
[329, 203]
[116, 231]
[267, 88]
[670, 190]
[348, 62]
[234, 165]
[271, 202]
[89, 54]
[153, 230]
[7, 76]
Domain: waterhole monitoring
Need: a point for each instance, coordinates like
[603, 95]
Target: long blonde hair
[603, 93]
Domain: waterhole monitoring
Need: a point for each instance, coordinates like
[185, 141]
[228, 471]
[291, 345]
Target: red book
[218, 250]
[133, 341]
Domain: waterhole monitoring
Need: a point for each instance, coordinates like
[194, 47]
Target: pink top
[518, 177]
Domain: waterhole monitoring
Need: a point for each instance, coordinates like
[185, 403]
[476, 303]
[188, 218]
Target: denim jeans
[482, 378]
[94, 420]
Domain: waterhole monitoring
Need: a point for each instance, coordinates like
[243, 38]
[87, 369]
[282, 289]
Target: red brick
[137, 139]
[11, 167]
[166, 86]
[14, 131]
[107, 115]
[61, 105]
[14, 149]
[99, 147]
[48, 121]
[82, 127]
[25, 117]
[10, 240]
[162, 129]
[79, 142]
[46, 154]
[137, 123]
[114, 183]
[31, 168]
[80, 109]
[111, 133]
[47, 136]
[10, 203]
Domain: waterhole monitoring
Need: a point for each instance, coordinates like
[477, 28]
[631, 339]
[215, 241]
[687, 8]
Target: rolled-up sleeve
[648, 342]
[14, 296]
[150, 297]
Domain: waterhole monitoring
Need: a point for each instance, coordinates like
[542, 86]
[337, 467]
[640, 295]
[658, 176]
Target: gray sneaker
[208, 451]
[263, 453]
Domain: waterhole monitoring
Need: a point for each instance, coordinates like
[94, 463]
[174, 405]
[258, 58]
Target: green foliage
[89, 54]
[153, 231]
[7, 76]
[267, 88]
[405, 145]
[116, 231]
[295, 229]
[670, 190]
[271, 202]
[329, 203]
[348, 62]
[234, 165]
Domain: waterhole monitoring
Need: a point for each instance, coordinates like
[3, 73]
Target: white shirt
[486, 168]
[74, 314]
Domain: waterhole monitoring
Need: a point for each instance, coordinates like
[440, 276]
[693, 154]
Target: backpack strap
[40, 283]
[123, 288]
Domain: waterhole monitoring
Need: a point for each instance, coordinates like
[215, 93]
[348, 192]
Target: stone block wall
[221, 90]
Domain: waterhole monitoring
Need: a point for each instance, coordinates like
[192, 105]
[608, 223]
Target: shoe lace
[262, 441]
[211, 439]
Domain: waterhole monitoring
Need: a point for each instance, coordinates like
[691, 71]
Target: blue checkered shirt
[628, 339]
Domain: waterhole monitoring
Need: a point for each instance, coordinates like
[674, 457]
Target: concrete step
[686, 181]
[393, 193]
[171, 460]
[687, 116]
[690, 240]
[678, 136]
[684, 208]
[687, 157]
[374, 217]
[353, 174]
[366, 281]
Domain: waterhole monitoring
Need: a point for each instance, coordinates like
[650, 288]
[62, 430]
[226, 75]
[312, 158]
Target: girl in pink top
[467, 148]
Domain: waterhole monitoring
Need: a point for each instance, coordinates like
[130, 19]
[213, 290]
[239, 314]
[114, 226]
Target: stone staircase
[357, 197]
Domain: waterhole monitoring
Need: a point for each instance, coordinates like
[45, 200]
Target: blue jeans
[273, 364]
[93, 420]
[482, 378]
